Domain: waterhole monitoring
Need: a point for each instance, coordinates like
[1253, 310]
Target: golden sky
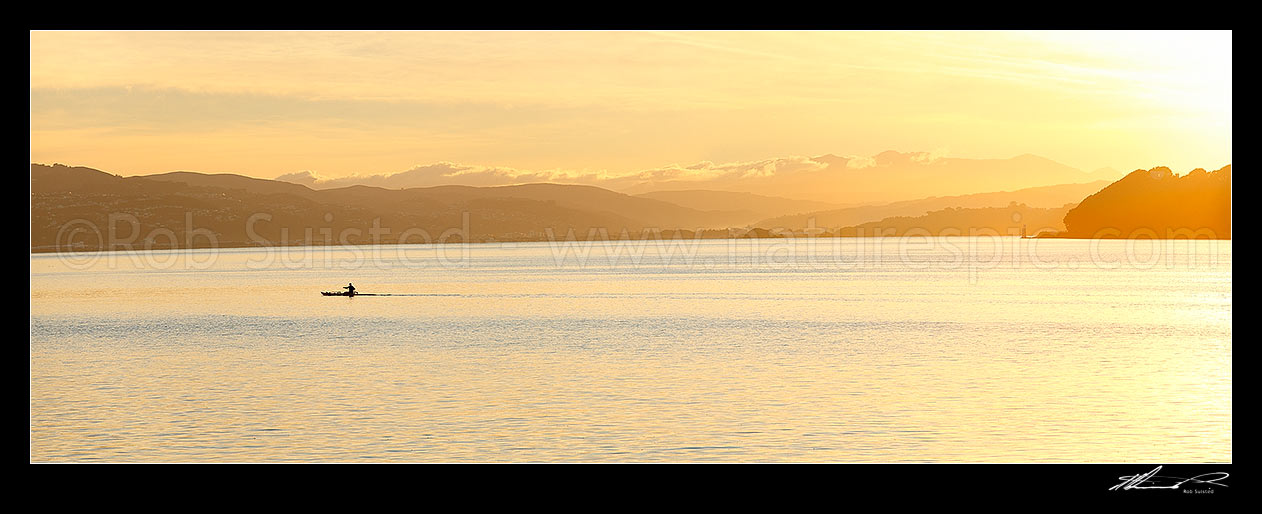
[349, 102]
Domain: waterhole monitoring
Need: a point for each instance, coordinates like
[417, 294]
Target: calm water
[842, 350]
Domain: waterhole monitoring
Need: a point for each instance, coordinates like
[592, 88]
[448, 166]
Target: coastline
[239, 244]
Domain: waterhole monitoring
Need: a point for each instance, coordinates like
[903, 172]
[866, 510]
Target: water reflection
[737, 351]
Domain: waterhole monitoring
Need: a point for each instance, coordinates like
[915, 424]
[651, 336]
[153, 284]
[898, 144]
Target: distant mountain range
[888, 177]
[839, 181]
[1044, 197]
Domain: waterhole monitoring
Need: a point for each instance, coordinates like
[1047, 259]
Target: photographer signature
[1151, 480]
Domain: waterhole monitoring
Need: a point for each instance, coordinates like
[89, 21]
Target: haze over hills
[891, 176]
[1015, 219]
[740, 208]
[235, 210]
[886, 177]
[1044, 197]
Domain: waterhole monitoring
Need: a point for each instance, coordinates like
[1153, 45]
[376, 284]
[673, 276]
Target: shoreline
[42, 250]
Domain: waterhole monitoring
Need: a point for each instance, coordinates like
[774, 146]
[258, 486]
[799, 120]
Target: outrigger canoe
[341, 293]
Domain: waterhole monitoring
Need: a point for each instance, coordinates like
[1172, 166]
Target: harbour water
[830, 350]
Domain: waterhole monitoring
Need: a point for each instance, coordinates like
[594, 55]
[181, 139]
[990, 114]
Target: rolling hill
[1157, 203]
[163, 211]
